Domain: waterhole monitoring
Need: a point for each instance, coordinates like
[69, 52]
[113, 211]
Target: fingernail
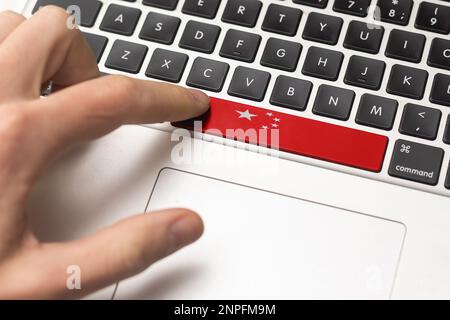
[185, 231]
[200, 96]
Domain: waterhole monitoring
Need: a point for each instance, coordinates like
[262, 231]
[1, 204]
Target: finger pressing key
[94, 108]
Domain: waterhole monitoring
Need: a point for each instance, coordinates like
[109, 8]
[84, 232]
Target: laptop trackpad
[260, 245]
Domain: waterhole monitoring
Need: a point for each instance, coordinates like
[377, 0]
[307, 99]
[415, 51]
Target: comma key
[416, 162]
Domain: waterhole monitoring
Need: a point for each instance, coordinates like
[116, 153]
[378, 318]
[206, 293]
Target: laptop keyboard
[363, 85]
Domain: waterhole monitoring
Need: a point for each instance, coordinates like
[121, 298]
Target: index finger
[105, 103]
[94, 108]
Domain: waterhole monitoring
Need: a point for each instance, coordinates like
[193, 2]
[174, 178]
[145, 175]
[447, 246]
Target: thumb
[111, 255]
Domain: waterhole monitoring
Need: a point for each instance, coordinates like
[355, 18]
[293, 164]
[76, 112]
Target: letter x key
[167, 65]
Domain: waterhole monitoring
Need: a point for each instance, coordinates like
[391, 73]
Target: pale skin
[35, 130]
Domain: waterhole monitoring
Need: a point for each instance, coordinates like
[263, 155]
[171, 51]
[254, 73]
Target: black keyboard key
[394, 11]
[167, 65]
[433, 17]
[354, 7]
[313, 3]
[208, 74]
[282, 20]
[405, 45]
[201, 8]
[126, 56]
[407, 82]
[377, 112]
[323, 63]
[440, 54]
[447, 131]
[240, 45]
[440, 92]
[364, 72]
[364, 37]
[281, 54]
[163, 4]
[200, 36]
[89, 9]
[97, 44]
[242, 12]
[322, 28]
[160, 28]
[334, 102]
[420, 122]
[416, 162]
[120, 19]
[447, 180]
[249, 83]
[291, 93]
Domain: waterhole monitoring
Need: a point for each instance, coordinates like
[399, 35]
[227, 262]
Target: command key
[416, 162]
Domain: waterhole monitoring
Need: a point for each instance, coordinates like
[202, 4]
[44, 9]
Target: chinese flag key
[293, 134]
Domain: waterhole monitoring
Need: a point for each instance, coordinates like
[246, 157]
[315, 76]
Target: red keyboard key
[289, 133]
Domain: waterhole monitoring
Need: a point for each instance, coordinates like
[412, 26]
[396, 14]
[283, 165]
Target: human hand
[34, 130]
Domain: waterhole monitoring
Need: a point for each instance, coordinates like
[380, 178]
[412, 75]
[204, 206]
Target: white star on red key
[246, 114]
